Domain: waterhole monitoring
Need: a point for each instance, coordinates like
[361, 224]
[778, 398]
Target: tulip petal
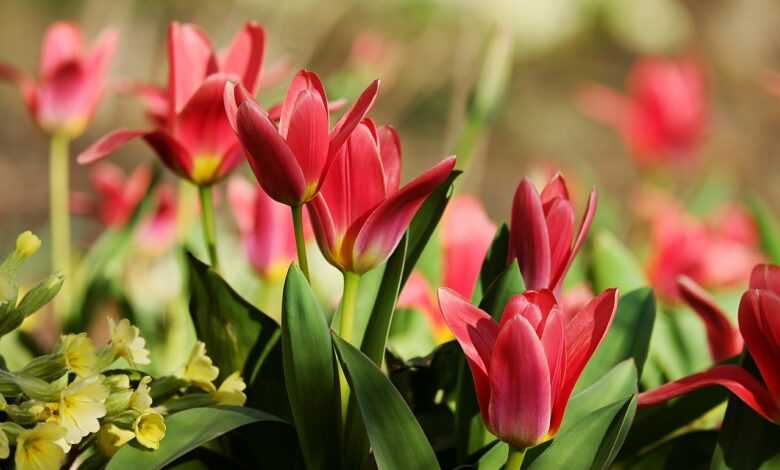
[241, 197]
[244, 56]
[587, 221]
[759, 322]
[307, 135]
[384, 228]
[554, 343]
[154, 99]
[560, 226]
[172, 153]
[476, 333]
[25, 84]
[530, 238]
[107, 145]
[766, 276]
[520, 393]
[555, 189]
[535, 306]
[303, 81]
[272, 162]
[723, 338]
[190, 60]
[271, 246]
[352, 117]
[585, 329]
[418, 295]
[96, 66]
[390, 151]
[604, 105]
[202, 126]
[62, 44]
[234, 94]
[325, 230]
[736, 379]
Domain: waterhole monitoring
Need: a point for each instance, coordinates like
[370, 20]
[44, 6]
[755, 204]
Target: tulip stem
[515, 460]
[348, 303]
[209, 226]
[300, 243]
[60, 217]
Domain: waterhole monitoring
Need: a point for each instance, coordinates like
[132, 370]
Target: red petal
[155, 101]
[560, 226]
[271, 244]
[244, 57]
[766, 276]
[384, 228]
[353, 116]
[530, 238]
[520, 393]
[303, 80]
[173, 154]
[307, 136]
[273, 163]
[241, 196]
[190, 60]
[535, 306]
[723, 338]
[234, 94]
[25, 84]
[62, 44]
[390, 151]
[202, 126]
[417, 294]
[759, 322]
[553, 340]
[734, 378]
[106, 145]
[587, 221]
[476, 332]
[556, 188]
[324, 230]
[96, 66]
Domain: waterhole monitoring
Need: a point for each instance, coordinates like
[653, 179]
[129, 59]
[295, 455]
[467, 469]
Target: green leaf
[396, 438]
[746, 440]
[691, 450]
[768, 228]
[495, 261]
[613, 265]
[495, 458]
[229, 325]
[310, 373]
[40, 295]
[617, 384]
[628, 337]
[186, 431]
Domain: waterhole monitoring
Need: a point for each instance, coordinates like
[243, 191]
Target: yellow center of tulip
[204, 168]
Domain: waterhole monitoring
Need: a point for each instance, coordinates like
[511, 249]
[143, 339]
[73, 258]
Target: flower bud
[150, 429]
[111, 437]
[27, 244]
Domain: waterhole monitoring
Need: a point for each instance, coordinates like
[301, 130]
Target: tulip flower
[466, 234]
[542, 231]
[71, 79]
[664, 116]
[525, 367]
[158, 233]
[118, 194]
[266, 229]
[759, 324]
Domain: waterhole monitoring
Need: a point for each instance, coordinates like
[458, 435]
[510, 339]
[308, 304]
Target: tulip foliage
[355, 321]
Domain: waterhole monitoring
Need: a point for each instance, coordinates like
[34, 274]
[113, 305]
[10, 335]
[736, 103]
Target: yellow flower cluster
[201, 372]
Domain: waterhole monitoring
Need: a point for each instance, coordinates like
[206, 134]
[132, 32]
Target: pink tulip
[542, 231]
[158, 232]
[195, 140]
[266, 228]
[664, 115]
[290, 161]
[360, 214]
[71, 79]
[118, 194]
[759, 324]
[525, 368]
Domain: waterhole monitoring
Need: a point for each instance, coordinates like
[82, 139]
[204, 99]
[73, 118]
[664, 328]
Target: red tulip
[266, 228]
[466, 234]
[542, 231]
[759, 323]
[158, 232]
[723, 339]
[664, 115]
[71, 79]
[360, 214]
[118, 194]
[195, 140]
[525, 368]
[290, 161]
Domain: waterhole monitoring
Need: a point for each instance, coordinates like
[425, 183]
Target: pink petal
[535, 306]
[190, 60]
[325, 230]
[555, 189]
[234, 94]
[520, 393]
[554, 343]
[604, 105]
[62, 44]
[417, 294]
[241, 197]
[26, 86]
[759, 322]
[560, 226]
[303, 81]
[587, 221]
[384, 228]
[106, 145]
[202, 126]
[390, 151]
[172, 153]
[476, 333]
[271, 244]
[353, 116]
[767, 277]
[530, 238]
[244, 57]
[307, 136]
[736, 379]
[155, 100]
[272, 162]
[723, 338]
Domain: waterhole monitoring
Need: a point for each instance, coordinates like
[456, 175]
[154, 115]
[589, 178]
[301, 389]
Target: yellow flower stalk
[126, 342]
[141, 400]
[40, 448]
[81, 405]
[231, 391]
[200, 371]
[79, 354]
[112, 437]
[150, 429]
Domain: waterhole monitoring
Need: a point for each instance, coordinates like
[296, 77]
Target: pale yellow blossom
[126, 342]
[150, 429]
[82, 404]
[141, 400]
[40, 448]
[112, 437]
[79, 354]
[200, 371]
[231, 391]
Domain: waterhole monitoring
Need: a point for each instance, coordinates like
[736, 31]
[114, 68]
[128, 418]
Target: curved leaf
[613, 265]
[768, 228]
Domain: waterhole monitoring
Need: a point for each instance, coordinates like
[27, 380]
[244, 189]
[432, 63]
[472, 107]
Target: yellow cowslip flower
[200, 371]
[40, 448]
[231, 391]
[140, 400]
[82, 404]
[27, 244]
[149, 429]
[79, 354]
[126, 342]
[111, 437]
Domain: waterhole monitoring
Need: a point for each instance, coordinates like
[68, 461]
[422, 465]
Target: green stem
[515, 460]
[300, 243]
[60, 217]
[348, 302]
[209, 226]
